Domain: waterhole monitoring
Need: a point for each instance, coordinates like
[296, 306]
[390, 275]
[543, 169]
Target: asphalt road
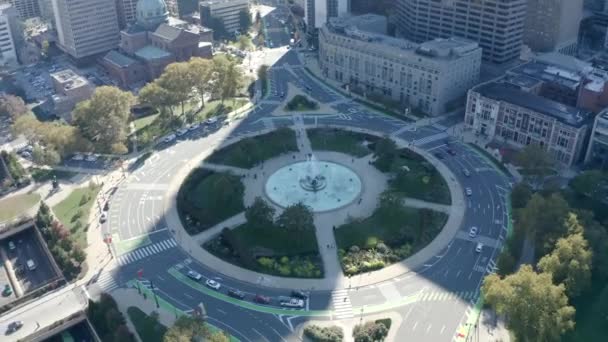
[433, 301]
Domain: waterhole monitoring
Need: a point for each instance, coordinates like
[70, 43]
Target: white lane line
[442, 329]
[458, 273]
[189, 296]
[262, 336]
[415, 325]
[221, 311]
[428, 328]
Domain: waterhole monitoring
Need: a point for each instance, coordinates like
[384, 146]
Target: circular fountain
[321, 185]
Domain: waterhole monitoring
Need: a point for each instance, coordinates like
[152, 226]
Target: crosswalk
[342, 306]
[144, 252]
[106, 282]
[430, 138]
[439, 126]
[446, 296]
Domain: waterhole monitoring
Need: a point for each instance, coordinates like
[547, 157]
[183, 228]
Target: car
[194, 126]
[26, 154]
[31, 265]
[14, 326]
[106, 206]
[77, 157]
[213, 284]
[299, 294]
[466, 172]
[293, 303]
[194, 275]
[261, 299]
[169, 138]
[103, 218]
[438, 155]
[11, 245]
[91, 158]
[473, 232]
[468, 191]
[236, 294]
[479, 247]
[7, 291]
[451, 152]
[181, 132]
[282, 94]
[211, 121]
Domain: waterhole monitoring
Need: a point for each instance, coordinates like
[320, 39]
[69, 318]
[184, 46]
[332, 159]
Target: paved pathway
[225, 168]
[420, 204]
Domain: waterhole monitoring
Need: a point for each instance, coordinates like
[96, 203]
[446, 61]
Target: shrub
[324, 334]
[83, 200]
[370, 331]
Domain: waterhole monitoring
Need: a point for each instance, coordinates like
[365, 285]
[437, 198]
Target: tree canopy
[543, 218]
[260, 214]
[297, 218]
[192, 328]
[12, 106]
[537, 310]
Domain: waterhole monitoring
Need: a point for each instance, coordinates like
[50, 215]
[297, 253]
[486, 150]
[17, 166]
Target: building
[509, 111]
[597, 152]
[318, 12]
[70, 88]
[26, 8]
[496, 25]
[125, 10]
[154, 41]
[552, 25]
[86, 28]
[8, 52]
[186, 7]
[227, 11]
[428, 76]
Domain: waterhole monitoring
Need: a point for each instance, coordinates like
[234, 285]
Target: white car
[473, 232]
[213, 284]
[169, 138]
[78, 157]
[479, 247]
[468, 191]
[194, 126]
[211, 120]
[91, 158]
[11, 245]
[181, 132]
[194, 275]
[293, 303]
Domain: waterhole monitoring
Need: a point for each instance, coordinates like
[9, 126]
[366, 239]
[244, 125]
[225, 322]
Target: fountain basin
[328, 187]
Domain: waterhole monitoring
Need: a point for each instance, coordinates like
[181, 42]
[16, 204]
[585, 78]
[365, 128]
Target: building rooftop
[522, 81]
[504, 92]
[119, 59]
[69, 79]
[150, 52]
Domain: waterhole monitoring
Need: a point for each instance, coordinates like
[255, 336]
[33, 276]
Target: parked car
[479, 247]
[299, 294]
[293, 303]
[11, 246]
[169, 138]
[473, 232]
[91, 158]
[211, 121]
[77, 157]
[103, 218]
[106, 206]
[14, 326]
[194, 275]
[451, 152]
[466, 172]
[181, 132]
[194, 126]
[236, 294]
[7, 291]
[261, 299]
[213, 284]
[468, 191]
[31, 265]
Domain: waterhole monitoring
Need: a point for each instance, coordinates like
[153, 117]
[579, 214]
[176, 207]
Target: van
[31, 265]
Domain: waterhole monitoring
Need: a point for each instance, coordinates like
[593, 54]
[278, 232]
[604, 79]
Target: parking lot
[23, 247]
[8, 294]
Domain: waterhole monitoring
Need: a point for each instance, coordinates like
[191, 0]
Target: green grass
[251, 151]
[144, 121]
[422, 181]
[74, 216]
[43, 175]
[216, 108]
[340, 141]
[404, 226]
[14, 206]
[148, 329]
[590, 322]
[279, 240]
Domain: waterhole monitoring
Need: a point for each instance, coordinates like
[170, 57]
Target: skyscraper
[8, 55]
[552, 25]
[86, 27]
[126, 12]
[317, 12]
[26, 8]
[497, 25]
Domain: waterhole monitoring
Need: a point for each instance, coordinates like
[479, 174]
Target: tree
[296, 218]
[12, 107]
[154, 95]
[244, 42]
[370, 332]
[591, 184]
[569, 264]
[202, 74]
[536, 162]
[520, 195]
[186, 329]
[597, 236]
[385, 152]
[260, 214]
[543, 219]
[104, 118]
[244, 20]
[178, 82]
[228, 77]
[536, 309]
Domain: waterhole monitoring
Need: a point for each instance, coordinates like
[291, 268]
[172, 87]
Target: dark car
[451, 152]
[236, 294]
[261, 299]
[438, 155]
[106, 206]
[13, 326]
[299, 294]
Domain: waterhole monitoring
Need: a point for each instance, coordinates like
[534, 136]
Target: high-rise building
[552, 25]
[126, 12]
[497, 25]
[225, 10]
[86, 27]
[8, 53]
[26, 8]
[318, 12]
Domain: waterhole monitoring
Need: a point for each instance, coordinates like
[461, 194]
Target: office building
[511, 112]
[496, 25]
[428, 77]
[225, 10]
[86, 28]
[597, 152]
[8, 53]
[126, 10]
[70, 88]
[26, 8]
[552, 25]
[318, 12]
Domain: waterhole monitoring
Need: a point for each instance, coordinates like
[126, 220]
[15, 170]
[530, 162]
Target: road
[434, 301]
